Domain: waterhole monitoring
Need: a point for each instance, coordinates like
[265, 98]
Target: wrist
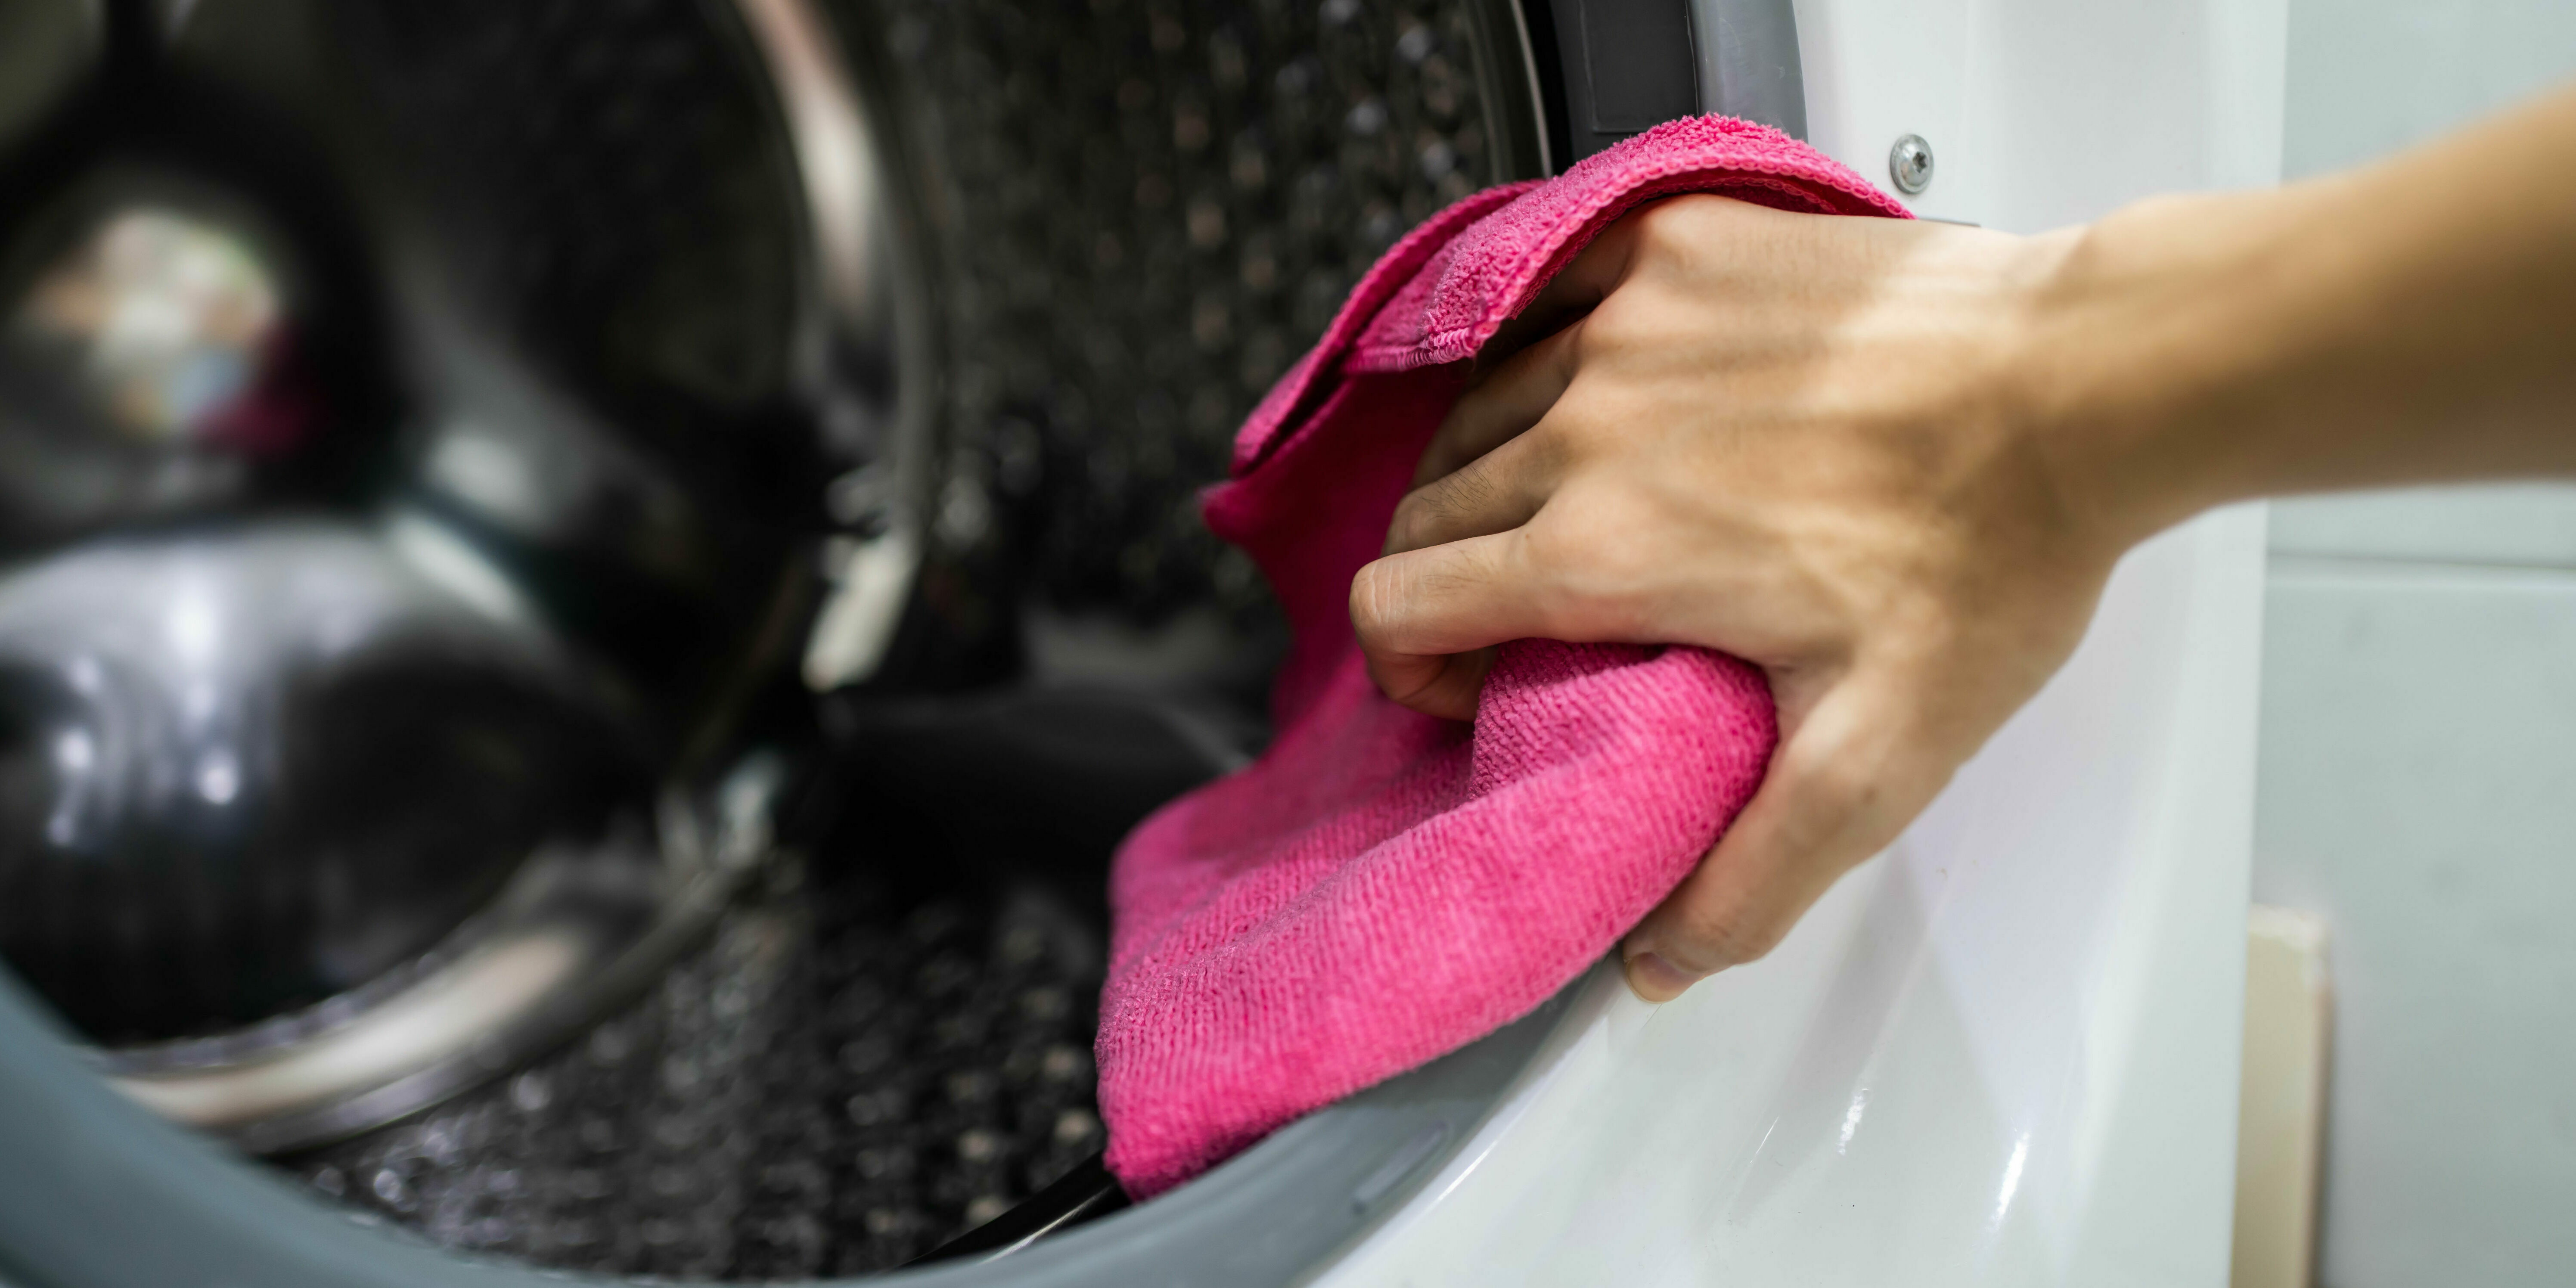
[2131, 382]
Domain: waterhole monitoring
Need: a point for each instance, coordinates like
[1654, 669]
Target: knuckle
[1833, 786]
[1406, 528]
[1551, 451]
[1672, 221]
[1587, 535]
[1713, 939]
[1689, 212]
[1549, 543]
[1629, 322]
[1566, 349]
[1654, 223]
[1583, 576]
[1574, 434]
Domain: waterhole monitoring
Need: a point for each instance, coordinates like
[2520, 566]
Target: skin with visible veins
[1892, 463]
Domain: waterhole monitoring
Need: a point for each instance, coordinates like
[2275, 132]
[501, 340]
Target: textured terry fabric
[1383, 887]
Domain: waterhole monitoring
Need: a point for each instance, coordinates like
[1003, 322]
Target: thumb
[1851, 773]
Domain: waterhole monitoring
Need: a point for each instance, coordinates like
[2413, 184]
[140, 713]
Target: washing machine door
[2003, 1051]
[414, 470]
[463, 464]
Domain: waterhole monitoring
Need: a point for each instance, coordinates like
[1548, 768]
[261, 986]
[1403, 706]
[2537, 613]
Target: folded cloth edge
[1718, 151]
[1455, 303]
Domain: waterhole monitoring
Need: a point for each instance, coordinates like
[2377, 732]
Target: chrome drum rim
[580, 928]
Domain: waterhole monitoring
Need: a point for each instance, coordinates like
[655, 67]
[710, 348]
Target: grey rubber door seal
[1610, 69]
[97, 1193]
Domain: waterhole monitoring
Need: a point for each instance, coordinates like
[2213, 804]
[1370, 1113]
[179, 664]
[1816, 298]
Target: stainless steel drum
[420, 430]
[586, 585]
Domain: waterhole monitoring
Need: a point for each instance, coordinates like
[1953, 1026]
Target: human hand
[1796, 439]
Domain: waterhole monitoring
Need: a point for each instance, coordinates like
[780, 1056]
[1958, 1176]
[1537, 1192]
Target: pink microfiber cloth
[1384, 887]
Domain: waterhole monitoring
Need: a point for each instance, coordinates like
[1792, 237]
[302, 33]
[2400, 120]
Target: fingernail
[1656, 980]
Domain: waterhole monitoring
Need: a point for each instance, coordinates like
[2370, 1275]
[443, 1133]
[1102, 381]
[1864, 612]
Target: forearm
[1893, 464]
[2413, 321]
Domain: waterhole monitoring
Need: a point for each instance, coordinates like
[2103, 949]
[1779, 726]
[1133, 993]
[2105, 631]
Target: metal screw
[1910, 164]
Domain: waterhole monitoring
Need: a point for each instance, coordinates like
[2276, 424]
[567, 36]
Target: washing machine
[586, 589]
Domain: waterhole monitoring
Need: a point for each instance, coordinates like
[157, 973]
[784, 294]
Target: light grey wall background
[2418, 773]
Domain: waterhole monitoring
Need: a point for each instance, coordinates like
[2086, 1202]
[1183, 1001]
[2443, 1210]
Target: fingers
[1417, 612]
[1592, 274]
[1845, 780]
[1452, 586]
[1529, 362]
[1500, 406]
[1583, 283]
[1495, 493]
[1444, 685]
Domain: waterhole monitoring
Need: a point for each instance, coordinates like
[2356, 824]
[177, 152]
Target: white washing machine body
[2005, 1051]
